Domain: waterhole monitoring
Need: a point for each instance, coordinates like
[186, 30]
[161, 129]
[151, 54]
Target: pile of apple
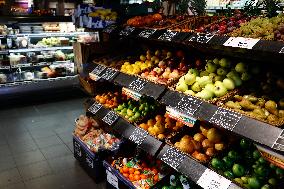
[145, 62]
[170, 68]
[203, 145]
[110, 100]
[161, 126]
[219, 77]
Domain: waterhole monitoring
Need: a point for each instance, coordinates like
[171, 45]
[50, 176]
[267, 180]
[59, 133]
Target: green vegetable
[229, 174]
[261, 160]
[217, 163]
[261, 171]
[265, 187]
[165, 187]
[272, 181]
[256, 154]
[233, 155]
[244, 179]
[238, 170]
[245, 144]
[239, 181]
[228, 162]
[254, 183]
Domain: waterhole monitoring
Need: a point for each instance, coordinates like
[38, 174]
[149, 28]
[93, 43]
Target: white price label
[181, 117]
[282, 50]
[211, 180]
[95, 108]
[241, 42]
[134, 95]
[112, 179]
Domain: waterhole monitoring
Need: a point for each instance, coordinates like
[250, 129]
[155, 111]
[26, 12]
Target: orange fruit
[131, 177]
[121, 170]
[125, 169]
[155, 171]
[143, 177]
[156, 178]
[137, 173]
[136, 177]
[126, 175]
[131, 170]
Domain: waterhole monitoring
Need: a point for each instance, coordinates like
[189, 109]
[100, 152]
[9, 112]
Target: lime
[228, 162]
[229, 174]
[261, 171]
[261, 160]
[135, 109]
[238, 170]
[244, 179]
[272, 181]
[233, 155]
[130, 113]
[245, 144]
[256, 154]
[217, 163]
[254, 183]
[137, 115]
[272, 166]
[120, 107]
[239, 181]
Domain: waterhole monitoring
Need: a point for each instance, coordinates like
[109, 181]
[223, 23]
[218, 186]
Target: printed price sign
[110, 28]
[132, 94]
[241, 42]
[98, 69]
[282, 50]
[225, 118]
[147, 33]
[111, 179]
[168, 35]
[188, 105]
[279, 143]
[181, 117]
[201, 38]
[173, 157]
[126, 31]
[110, 118]
[138, 136]
[89, 161]
[109, 74]
[95, 108]
[211, 180]
[137, 85]
[77, 149]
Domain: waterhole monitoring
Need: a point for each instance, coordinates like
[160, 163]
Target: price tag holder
[126, 31]
[96, 72]
[201, 38]
[147, 33]
[241, 42]
[138, 136]
[181, 117]
[95, 108]
[137, 85]
[282, 50]
[188, 105]
[173, 157]
[108, 74]
[110, 118]
[279, 143]
[111, 179]
[211, 180]
[168, 35]
[132, 94]
[225, 118]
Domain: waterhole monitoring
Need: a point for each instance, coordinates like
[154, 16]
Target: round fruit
[217, 163]
[229, 174]
[233, 155]
[228, 162]
[265, 186]
[238, 170]
[254, 183]
[272, 181]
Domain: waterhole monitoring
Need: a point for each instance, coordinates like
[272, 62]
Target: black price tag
[126, 31]
[201, 38]
[137, 85]
[173, 157]
[188, 105]
[110, 118]
[109, 74]
[77, 149]
[98, 69]
[282, 50]
[147, 33]
[279, 143]
[110, 29]
[89, 161]
[95, 108]
[225, 118]
[138, 136]
[168, 35]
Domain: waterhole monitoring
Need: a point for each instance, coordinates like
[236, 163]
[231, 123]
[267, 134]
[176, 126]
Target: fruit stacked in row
[142, 173]
[104, 14]
[136, 110]
[161, 126]
[84, 125]
[109, 62]
[169, 68]
[259, 108]
[145, 62]
[219, 77]
[225, 26]
[262, 28]
[247, 168]
[139, 21]
[110, 100]
[203, 145]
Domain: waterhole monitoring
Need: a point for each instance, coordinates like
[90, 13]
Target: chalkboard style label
[98, 69]
[138, 136]
[147, 33]
[89, 161]
[279, 143]
[173, 157]
[241, 42]
[201, 38]
[110, 29]
[181, 117]
[110, 118]
[95, 108]
[225, 118]
[188, 105]
[137, 85]
[168, 35]
[282, 50]
[211, 180]
[132, 94]
[126, 31]
[109, 74]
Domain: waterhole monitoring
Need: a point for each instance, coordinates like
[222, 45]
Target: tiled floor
[36, 147]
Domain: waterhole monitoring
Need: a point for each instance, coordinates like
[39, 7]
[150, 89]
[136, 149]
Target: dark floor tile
[35, 170]
[64, 129]
[3, 140]
[27, 111]
[89, 185]
[42, 133]
[8, 177]
[18, 137]
[63, 163]
[47, 109]
[48, 141]
[70, 146]
[5, 151]
[22, 147]
[20, 185]
[14, 128]
[66, 137]
[28, 158]
[9, 112]
[55, 151]
[7, 163]
[47, 182]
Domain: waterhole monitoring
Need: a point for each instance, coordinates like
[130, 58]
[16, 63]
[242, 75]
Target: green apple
[189, 79]
[209, 61]
[212, 76]
[205, 94]
[142, 58]
[210, 67]
[182, 86]
[229, 83]
[130, 113]
[203, 81]
[190, 92]
[209, 87]
[245, 76]
[237, 80]
[195, 87]
[232, 74]
[219, 89]
[218, 78]
[193, 71]
[225, 63]
[216, 61]
[204, 73]
[241, 67]
[222, 71]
